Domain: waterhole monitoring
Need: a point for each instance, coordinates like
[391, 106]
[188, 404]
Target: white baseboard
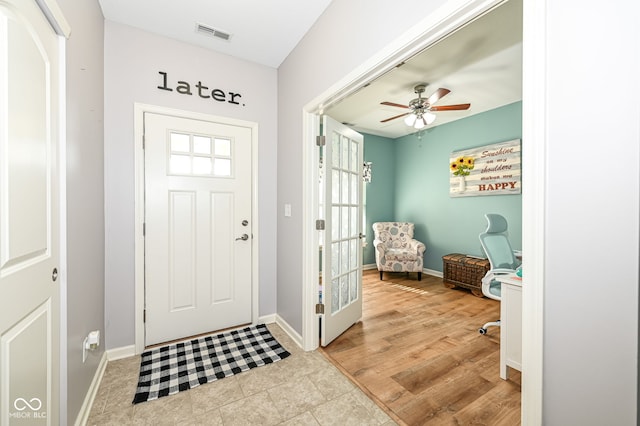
[267, 319]
[424, 271]
[432, 272]
[85, 410]
[122, 352]
[297, 338]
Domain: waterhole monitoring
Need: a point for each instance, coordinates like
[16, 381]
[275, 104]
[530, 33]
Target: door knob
[244, 237]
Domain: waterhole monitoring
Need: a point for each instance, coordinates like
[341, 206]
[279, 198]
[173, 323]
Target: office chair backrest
[496, 244]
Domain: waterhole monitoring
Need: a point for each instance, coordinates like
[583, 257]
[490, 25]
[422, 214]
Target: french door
[341, 209]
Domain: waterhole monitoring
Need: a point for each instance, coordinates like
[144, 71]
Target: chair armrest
[418, 246]
[379, 246]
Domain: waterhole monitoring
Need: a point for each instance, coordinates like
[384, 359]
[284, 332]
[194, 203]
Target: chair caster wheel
[482, 331]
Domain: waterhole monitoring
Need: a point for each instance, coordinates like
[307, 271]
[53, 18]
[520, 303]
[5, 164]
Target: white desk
[510, 324]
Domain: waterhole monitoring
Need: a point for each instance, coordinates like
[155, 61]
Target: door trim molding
[450, 16]
[139, 110]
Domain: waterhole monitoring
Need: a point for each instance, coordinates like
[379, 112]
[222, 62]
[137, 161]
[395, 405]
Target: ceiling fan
[421, 113]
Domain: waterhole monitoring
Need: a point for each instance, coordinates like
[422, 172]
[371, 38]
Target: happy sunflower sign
[487, 170]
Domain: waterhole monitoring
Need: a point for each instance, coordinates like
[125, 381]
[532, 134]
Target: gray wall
[133, 59]
[591, 240]
[348, 33]
[85, 197]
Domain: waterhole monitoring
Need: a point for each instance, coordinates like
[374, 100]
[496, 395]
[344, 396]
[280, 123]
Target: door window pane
[199, 155]
[335, 186]
[335, 295]
[179, 142]
[335, 259]
[202, 145]
[344, 291]
[223, 147]
[201, 166]
[354, 166]
[344, 156]
[335, 151]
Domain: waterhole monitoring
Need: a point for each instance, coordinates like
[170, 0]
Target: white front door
[198, 227]
[30, 122]
[342, 246]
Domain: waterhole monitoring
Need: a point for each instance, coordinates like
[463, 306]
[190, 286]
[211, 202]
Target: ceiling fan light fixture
[410, 120]
[420, 123]
[429, 117]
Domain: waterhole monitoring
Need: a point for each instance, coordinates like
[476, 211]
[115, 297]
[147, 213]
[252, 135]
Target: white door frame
[139, 110]
[450, 16]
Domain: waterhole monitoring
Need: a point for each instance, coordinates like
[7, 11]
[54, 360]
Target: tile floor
[303, 389]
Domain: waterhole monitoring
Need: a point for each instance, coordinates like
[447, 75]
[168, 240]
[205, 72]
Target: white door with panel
[198, 227]
[30, 80]
[342, 240]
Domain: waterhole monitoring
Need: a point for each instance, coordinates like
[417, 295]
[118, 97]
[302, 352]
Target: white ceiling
[261, 31]
[480, 63]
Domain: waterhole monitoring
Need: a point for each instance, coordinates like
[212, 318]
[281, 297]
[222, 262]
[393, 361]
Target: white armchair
[396, 249]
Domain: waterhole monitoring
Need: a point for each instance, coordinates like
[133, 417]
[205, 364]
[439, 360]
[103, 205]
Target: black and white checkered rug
[181, 366]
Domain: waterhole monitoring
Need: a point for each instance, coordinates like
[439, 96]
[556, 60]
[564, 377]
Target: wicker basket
[463, 271]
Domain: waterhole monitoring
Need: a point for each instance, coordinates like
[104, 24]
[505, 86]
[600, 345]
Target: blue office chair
[496, 246]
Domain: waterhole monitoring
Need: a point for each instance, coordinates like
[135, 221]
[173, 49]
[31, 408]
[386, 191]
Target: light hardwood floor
[417, 351]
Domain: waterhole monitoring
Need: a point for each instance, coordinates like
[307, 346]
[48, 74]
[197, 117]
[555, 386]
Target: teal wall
[380, 192]
[421, 185]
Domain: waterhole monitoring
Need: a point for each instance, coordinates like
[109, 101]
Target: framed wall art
[486, 170]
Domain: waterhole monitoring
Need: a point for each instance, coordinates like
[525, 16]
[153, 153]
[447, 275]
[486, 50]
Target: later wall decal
[201, 90]
[486, 170]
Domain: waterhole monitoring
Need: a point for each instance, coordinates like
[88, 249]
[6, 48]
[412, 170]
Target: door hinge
[144, 139]
[144, 315]
[320, 225]
[144, 229]
[321, 140]
[319, 308]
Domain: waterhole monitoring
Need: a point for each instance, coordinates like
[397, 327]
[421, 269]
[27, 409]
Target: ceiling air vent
[212, 32]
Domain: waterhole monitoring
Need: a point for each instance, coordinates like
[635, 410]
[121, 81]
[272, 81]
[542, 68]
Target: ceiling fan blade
[393, 104]
[437, 95]
[393, 118]
[450, 107]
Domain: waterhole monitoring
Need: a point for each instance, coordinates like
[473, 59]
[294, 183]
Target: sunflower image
[461, 166]
[469, 161]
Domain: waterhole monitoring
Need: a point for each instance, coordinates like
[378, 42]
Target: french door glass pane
[335, 150]
[354, 167]
[344, 291]
[335, 223]
[335, 295]
[353, 286]
[335, 186]
[335, 259]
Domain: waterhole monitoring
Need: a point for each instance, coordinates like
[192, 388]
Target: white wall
[133, 59]
[591, 240]
[85, 198]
